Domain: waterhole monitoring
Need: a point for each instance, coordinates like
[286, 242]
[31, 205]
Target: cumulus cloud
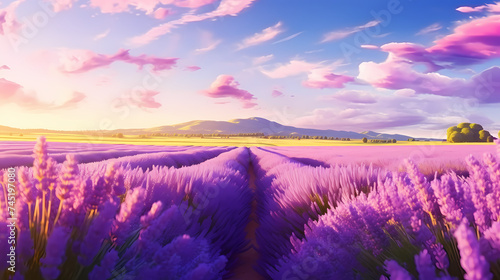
[324, 78]
[14, 93]
[80, 61]
[429, 29]
[8, 19]
[262, 37]
[396, 73]
[161, 13]
[319, 75]
[140, 99]
[225, 86]
[472, 42]
[225, 8]
[293, 68]
[341, 34]
[61, 5]
[4, 67]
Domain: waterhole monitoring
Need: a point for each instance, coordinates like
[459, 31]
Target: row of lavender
[348, 222]
[126, 222]
[20, 153]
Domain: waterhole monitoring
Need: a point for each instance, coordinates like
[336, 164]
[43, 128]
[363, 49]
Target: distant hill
[258, 125]
[250, 125]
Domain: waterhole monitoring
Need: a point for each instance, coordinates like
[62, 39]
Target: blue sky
[412, 67]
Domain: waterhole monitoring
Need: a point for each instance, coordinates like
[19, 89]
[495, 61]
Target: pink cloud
[120, 6]
[8, 20]
[192, 3]
[76, 98]
[472, 42]
[262, 37]
[341, 34]
[60, 5]
[14, 93]
[192, 68]
[161, 13]
[429, 29]
[293, 68]
[146, 100]
[276, 93]
[225, 8]
[370, 47]
[80, 61]
[4, 67]
[397, 73]
[226, 86]
[322, 78]
[141, 99]
[493, 8]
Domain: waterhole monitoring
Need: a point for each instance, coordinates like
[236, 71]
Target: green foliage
[490, 139]
[394, 141]
[457, 137]
[475, 126]
[483, 135]
[467, 132]
[365, 140]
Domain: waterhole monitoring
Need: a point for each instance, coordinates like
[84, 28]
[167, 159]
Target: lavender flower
[396, 271]
[426, 270]
[68, 179]
[480, 188]
[97, 232]
[105, 269]
[28, 192]
[55, 253]
[425, 193]
[474, 264]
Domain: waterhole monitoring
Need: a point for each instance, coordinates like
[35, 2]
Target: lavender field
[247, 213]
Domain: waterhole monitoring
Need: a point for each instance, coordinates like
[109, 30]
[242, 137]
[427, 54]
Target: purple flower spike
[396, 271]
[105, 269]
[474, 264]
[55, 253]
[426, 270]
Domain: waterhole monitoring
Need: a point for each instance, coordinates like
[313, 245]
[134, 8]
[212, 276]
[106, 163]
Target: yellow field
[197, 141]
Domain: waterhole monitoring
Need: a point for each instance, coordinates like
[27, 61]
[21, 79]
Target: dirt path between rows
[248, 260]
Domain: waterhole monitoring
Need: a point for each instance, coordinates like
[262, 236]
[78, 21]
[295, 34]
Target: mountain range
[250, 125]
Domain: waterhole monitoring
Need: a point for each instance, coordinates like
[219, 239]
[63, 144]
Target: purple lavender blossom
[55, 253]
[68, 179]
[98, 231]
[480, 187]
[396, 271]
[425, 194]
[474, 264]
[105, 269]
[425, 268]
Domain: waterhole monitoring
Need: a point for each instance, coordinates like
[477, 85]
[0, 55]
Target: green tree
[365, 140]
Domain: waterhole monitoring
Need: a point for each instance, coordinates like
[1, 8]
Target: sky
[393, 66]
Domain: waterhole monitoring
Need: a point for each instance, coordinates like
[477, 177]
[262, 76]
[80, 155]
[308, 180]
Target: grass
[207, 141]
